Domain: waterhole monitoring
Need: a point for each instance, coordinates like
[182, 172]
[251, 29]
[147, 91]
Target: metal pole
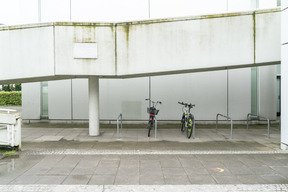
[231, 135]
[217, 122]
[194, 129]
[121, 119]
[247, 121]
[118, 127]
[155, 127]
[268, 129]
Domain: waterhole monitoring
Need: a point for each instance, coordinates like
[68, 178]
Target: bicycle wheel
[150, 126]
[190, 125]
[183, 123]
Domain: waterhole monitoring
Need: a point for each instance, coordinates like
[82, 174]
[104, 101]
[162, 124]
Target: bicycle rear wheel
[190, 126]
[183, 123]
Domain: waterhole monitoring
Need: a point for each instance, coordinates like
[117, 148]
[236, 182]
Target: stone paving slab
[144, 188]
[137, 169]
[67, 159]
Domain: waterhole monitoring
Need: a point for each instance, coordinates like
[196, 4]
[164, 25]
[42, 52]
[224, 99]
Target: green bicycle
[187, 120]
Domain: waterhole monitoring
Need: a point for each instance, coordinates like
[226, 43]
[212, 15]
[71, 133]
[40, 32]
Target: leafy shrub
[11, 87]
[10, 98]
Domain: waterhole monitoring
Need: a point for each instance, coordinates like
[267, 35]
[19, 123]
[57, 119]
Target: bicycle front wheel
[150, 126]
[190, 126]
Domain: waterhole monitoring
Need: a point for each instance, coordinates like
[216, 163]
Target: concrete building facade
[284, 70]
[227, 91]
[218, 78]
[223, 63]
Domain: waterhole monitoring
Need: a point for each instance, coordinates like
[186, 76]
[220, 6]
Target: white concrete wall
[198, 43]
[206, 90]
[60, 99]
[126, 96]
[26, 52]
[267, 92]
[239, 93]
[268, 30]
[226, 92]
[80, 99]
[67, 35]
[284, 75]
[161, 46]
[31, 100]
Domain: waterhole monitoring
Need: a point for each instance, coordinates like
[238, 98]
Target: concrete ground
[67, 159]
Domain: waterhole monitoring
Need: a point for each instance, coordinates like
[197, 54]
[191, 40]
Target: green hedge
[10, 98]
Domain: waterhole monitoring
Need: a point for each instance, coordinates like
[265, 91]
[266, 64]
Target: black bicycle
[187, 120]
[152, 112]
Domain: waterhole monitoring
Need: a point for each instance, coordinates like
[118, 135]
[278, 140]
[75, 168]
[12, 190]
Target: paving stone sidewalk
[55, 157]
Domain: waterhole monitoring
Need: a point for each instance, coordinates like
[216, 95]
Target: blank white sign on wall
[85, 51]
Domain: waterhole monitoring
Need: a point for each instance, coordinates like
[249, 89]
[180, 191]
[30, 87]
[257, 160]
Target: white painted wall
[268, 27]
[31, 100]
[167, 46]
[208, 90]
[102, 34]
[197, 43]
[267, 91]
[126, 96]
[284, 76]
[59, 99]
[80, 99]
[185, 44]
[239, 97]
[26, 52]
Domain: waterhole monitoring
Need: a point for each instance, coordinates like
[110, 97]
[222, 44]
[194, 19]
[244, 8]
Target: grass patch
[7, 153]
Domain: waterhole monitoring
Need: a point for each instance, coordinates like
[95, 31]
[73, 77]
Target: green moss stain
[127, 31]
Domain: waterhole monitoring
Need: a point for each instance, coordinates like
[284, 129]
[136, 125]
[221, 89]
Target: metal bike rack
[193, 129]
[155, 127]
[258, 116]
[119, 119]
[228, 118]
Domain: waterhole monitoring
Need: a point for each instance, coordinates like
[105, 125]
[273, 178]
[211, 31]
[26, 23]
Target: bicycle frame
[187, 121]
[152, 113]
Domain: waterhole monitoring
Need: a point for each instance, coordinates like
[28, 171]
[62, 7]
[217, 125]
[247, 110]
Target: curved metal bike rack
[119, 119]
[228, 118]
[258, 116]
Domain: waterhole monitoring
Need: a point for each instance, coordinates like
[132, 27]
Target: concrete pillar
[94, 113]
[284, 75]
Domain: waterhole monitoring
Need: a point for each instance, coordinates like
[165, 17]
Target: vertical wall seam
[254, 36]
[227, 102]
[254, 72]
[72, 99]
[54, 51]
[115, 33]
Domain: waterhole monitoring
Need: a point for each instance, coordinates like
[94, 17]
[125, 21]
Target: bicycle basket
[152, 110]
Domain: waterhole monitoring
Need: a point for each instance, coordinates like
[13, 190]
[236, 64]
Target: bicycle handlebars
[186, 104]
[154, 101]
